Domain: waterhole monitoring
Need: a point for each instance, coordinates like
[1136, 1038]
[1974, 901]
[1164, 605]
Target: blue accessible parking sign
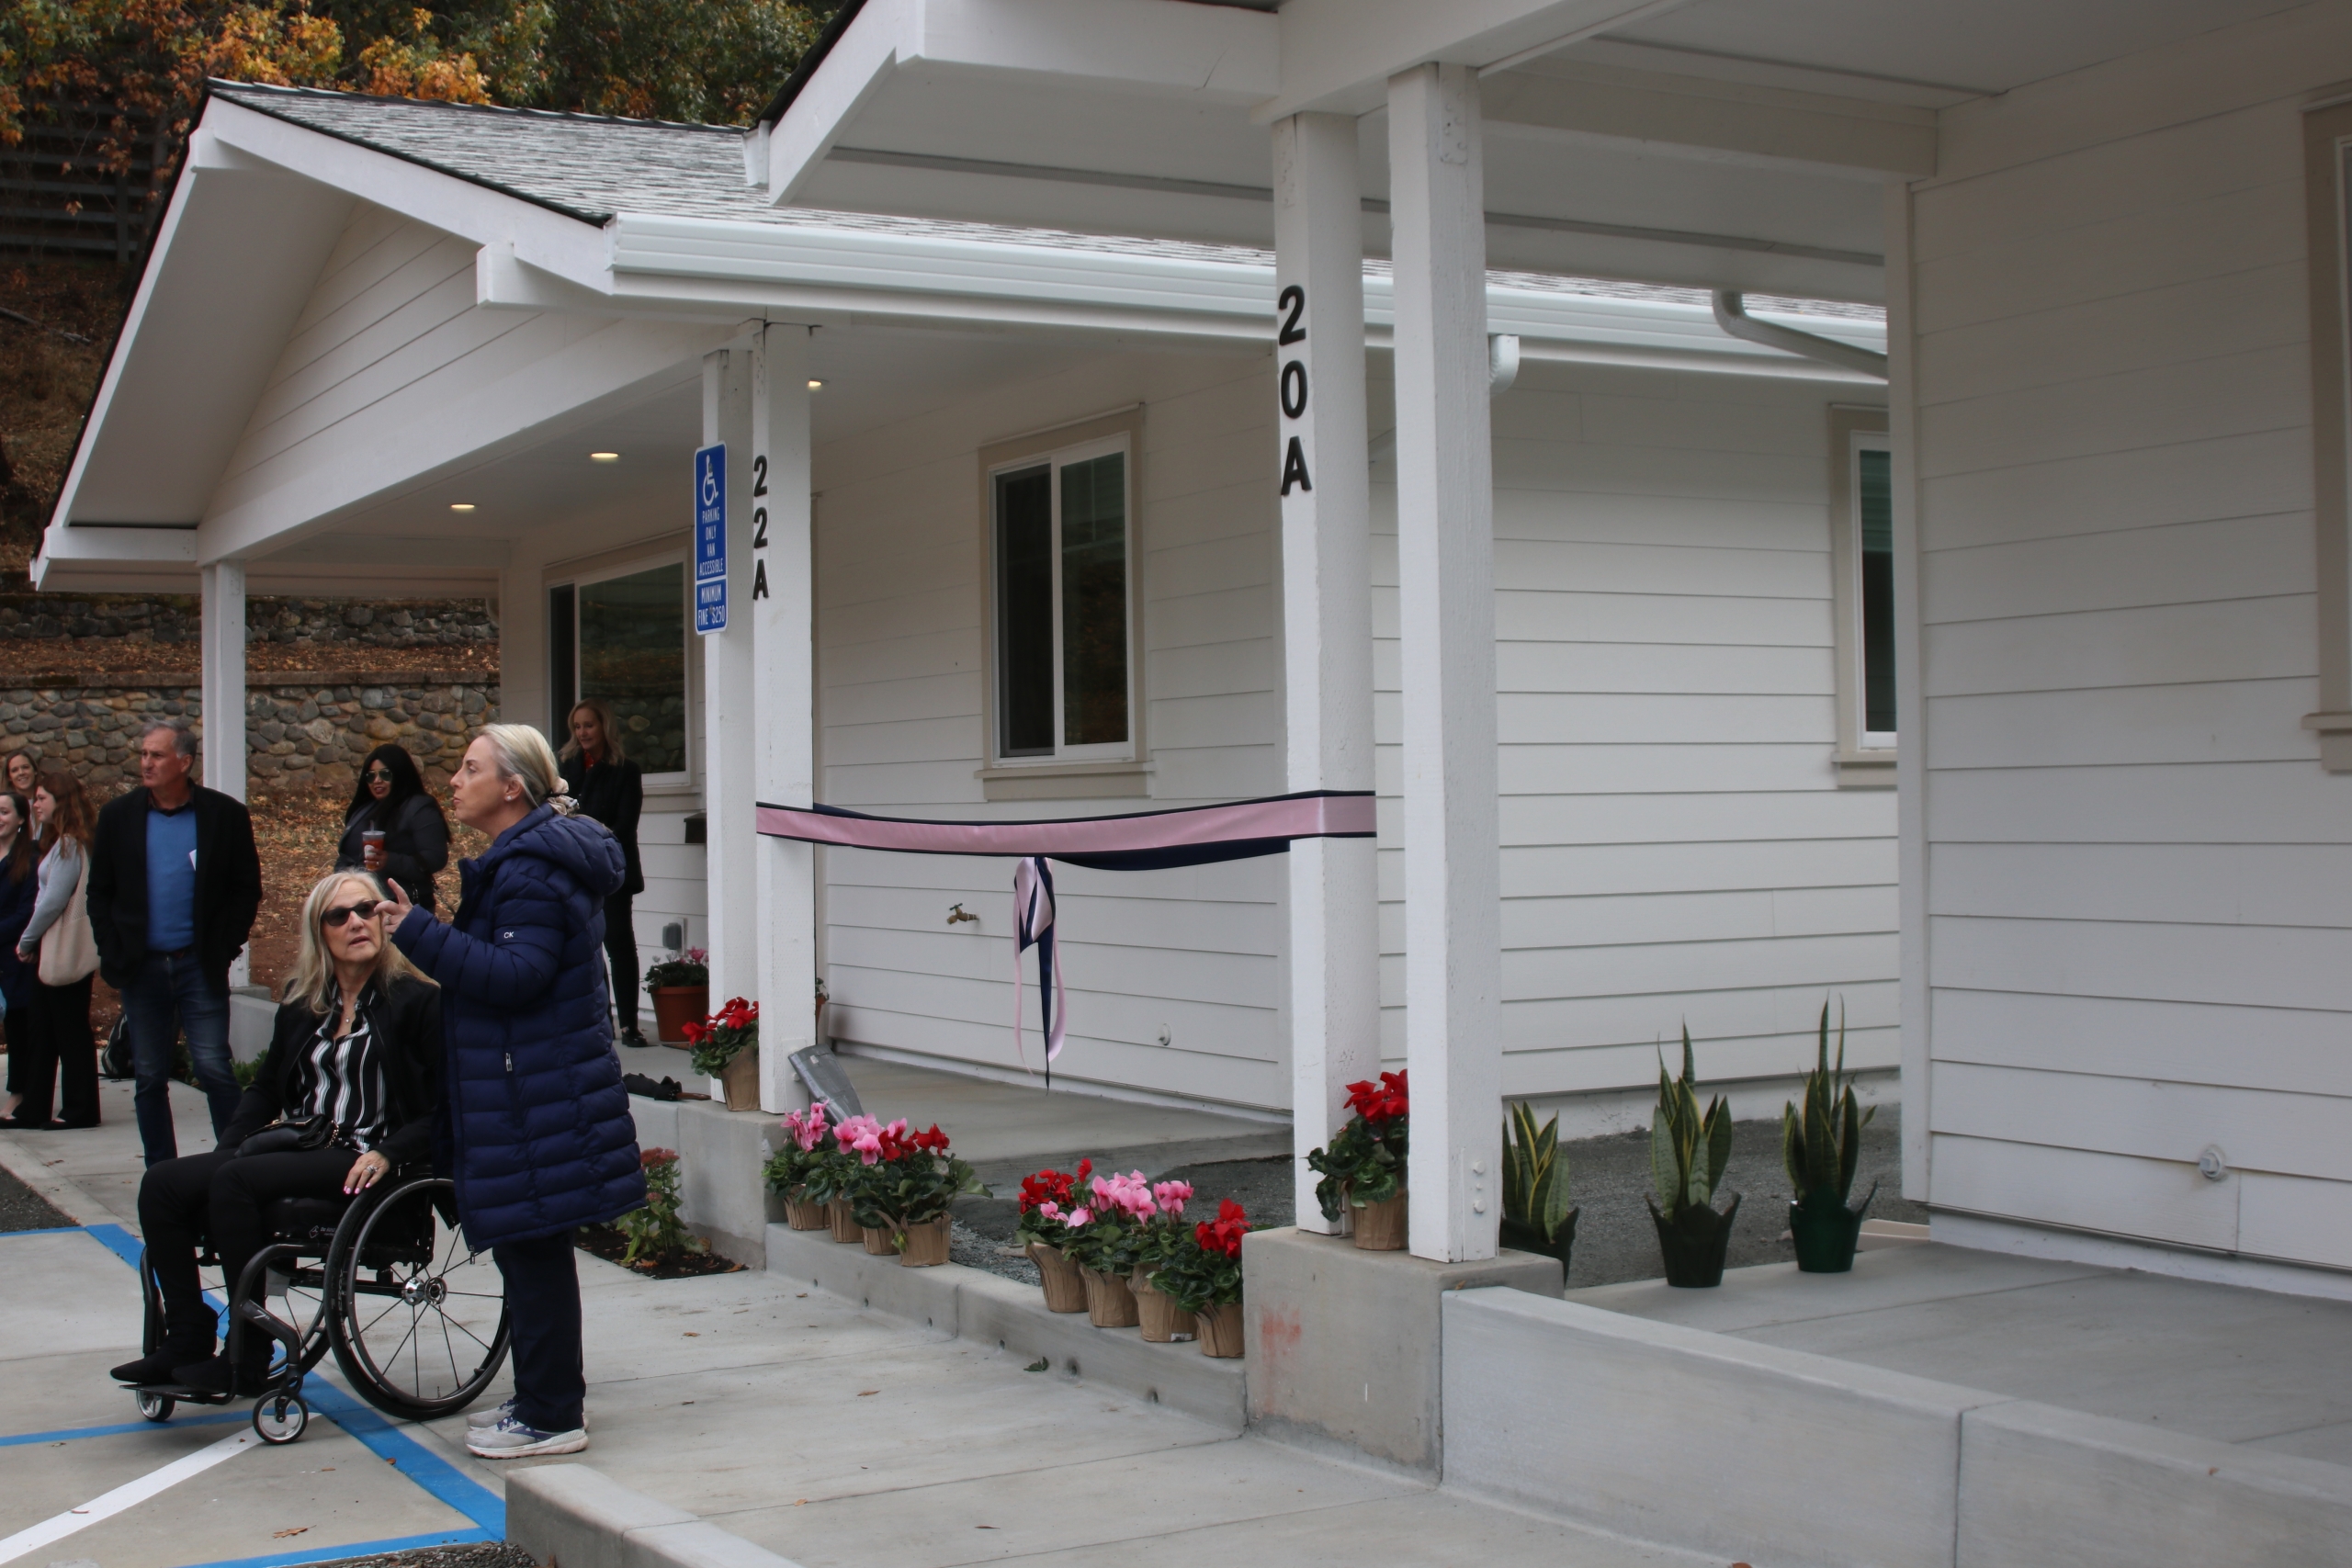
[710, 538]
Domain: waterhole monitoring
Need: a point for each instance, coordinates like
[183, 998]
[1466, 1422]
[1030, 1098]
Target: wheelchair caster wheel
[156, 1406]
[280, 1418]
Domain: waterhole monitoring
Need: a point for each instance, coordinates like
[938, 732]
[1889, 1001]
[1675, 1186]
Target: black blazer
[228, 885]
[406, 1023]
[417, 844]
[613, 793]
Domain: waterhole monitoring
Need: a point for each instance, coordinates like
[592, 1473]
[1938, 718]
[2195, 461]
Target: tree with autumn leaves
[143, 64]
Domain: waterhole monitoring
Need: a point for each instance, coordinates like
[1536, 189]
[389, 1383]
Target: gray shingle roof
[592, 166]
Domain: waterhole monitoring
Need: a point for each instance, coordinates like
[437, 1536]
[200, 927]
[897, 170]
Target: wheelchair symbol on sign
[709, 483]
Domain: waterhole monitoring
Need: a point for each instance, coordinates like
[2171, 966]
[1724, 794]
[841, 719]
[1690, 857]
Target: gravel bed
[22, 1208]
[480, 1554]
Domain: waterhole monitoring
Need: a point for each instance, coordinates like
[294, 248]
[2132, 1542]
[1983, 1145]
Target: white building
[1033, 255]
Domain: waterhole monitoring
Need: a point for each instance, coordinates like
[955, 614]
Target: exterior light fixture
[814, 384]
[462, 506]
[604, 457]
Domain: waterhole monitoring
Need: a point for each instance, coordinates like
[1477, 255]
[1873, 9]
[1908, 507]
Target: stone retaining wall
[301, 623]
[302, 727]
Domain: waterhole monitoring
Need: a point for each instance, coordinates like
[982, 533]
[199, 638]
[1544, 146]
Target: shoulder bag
[69, 951]
[293, 1134]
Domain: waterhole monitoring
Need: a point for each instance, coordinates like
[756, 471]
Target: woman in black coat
[610, 790]
[392, 798]
[358, 1039]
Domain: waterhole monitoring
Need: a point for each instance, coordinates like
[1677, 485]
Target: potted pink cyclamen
[808, 1147]
[1162, 1234]
[1105, 1241]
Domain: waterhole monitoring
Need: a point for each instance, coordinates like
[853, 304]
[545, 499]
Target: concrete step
[971, 1303]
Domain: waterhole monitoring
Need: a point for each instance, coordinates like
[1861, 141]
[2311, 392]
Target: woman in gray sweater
[58, 1033]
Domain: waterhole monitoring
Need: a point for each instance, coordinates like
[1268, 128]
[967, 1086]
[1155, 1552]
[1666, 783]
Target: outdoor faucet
[956, 912]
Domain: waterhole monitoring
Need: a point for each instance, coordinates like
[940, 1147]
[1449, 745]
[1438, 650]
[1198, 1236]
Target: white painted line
[128, 1495]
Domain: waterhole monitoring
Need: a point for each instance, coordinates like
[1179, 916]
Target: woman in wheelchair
[346, 1097]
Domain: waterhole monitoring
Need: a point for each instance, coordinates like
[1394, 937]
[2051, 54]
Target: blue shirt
[171, 878]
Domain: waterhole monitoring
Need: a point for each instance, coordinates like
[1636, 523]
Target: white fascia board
[548, 240]
[794, 270]
[1337, 55]
[1211, 53]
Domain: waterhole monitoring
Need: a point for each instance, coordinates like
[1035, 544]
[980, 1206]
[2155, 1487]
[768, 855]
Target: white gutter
[1731, 315]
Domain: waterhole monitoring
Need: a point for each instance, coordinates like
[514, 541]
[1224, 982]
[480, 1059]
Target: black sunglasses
[332, 919]
[379, 775]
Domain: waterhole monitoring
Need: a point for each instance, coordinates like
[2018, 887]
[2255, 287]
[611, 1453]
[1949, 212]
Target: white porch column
[727, 712]
[222, 647]
[781, 605]
[221, 635]
[1327, 621]
[1446, 603]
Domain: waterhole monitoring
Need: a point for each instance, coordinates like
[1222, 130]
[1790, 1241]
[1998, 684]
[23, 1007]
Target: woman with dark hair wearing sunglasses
[391, 800]
[357, 1046]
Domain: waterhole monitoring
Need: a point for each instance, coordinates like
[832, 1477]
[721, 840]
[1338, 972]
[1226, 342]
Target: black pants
[543, 1304]
[181, 1202]
[620, 950]
[53, 1040]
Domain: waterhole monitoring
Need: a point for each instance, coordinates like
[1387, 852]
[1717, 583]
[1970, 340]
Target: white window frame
[1103, 770]
[605, 569]
[1864, 759]
[2328, 194]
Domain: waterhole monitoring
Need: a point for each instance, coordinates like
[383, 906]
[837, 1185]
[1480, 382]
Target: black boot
[214, 1374]
[158, 1366]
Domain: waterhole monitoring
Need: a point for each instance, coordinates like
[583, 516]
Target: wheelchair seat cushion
[300, 1219]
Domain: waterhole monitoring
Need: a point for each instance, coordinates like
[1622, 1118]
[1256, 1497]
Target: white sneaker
[477, 1419]
[512, 1439]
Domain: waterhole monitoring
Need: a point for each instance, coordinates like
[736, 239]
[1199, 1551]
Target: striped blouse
[344, 1079]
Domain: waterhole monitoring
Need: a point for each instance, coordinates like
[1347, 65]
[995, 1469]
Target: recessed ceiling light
[814, 385]
[604, 457]
[462, 506]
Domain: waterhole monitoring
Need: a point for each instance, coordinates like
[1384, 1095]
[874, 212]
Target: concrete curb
[570, 1515]
[60, 1193]
[970, 1304]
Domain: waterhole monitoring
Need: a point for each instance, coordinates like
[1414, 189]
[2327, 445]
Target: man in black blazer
[174, 884]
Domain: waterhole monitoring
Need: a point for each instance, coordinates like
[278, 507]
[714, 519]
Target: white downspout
[1731, 315]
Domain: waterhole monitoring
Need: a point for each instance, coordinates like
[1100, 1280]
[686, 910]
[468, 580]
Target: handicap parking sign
[710, 538]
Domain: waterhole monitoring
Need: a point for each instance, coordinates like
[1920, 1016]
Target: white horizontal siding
[2139, 940]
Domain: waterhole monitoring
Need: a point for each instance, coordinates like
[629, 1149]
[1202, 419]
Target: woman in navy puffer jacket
[537, 1130]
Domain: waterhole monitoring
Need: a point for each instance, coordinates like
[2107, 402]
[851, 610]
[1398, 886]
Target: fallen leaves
[867, 1392]
[297, 1529]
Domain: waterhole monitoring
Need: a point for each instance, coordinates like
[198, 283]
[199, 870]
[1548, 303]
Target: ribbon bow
[1032, 915]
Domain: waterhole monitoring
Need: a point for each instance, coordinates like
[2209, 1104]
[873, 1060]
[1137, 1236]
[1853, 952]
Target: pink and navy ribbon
[1141, 841]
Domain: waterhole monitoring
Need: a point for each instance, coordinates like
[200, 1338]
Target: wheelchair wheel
[280, 1418]
[155, 1406]
[418, 1317]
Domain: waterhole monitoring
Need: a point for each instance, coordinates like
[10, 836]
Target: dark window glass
[1024, 612]
[1877, 488]
[1094, 601]
[633, 654]
[563, 673]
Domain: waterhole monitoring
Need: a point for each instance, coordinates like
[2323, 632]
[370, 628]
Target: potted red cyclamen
[1045, 1209]
[1363, 1168]
[727, 1047]
[808, 1143]
[1203, 1276]
[907, 1187]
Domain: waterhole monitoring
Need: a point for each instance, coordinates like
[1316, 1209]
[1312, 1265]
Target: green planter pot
[1694, 1243]
[1527, 1238]
[1826, 1231]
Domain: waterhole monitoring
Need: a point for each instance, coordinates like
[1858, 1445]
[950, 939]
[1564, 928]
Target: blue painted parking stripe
[354, 1549]
[427, 1470]
[68, 1434]
[52, 1230]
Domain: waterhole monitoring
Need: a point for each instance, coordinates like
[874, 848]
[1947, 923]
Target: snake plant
[1687, 1151]
[1535, 1177]
[1822, 1144]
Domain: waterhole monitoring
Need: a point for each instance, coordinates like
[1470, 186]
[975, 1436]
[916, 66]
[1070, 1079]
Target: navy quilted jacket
[537, 1131]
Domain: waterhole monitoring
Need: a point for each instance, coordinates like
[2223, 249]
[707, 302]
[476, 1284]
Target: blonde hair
[519, 752]
[607, 726]
[313, 976]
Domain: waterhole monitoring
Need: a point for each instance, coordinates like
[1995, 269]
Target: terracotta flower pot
[1162, 1319]
[843, 1221]
[1065, 1284]
[881, 1240]
[1221, 1330]
[1380, 1227]
[926, 1244]
[803, 1215]
[1109, 1303]
[741, 1079]
[675, 1007]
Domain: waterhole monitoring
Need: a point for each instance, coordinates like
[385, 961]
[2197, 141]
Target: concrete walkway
[2220, 1361]
[831, 1436]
